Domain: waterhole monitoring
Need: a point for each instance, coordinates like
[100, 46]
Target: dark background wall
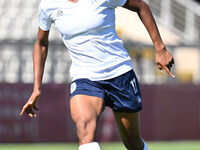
[170, 112]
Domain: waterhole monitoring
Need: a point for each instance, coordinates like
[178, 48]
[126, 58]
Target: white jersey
[88, 31]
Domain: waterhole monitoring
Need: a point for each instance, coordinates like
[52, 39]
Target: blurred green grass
[168, 145]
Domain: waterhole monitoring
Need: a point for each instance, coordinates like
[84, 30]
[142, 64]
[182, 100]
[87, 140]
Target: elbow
[42, 43]
[135, 5]
[42, 38]
[41, 47]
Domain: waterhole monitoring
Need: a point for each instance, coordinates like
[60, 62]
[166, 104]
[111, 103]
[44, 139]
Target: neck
[73, 1]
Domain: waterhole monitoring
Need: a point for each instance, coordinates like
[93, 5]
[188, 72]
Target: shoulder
[44, 4]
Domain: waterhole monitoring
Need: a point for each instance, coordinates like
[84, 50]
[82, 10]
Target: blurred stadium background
[171, 106]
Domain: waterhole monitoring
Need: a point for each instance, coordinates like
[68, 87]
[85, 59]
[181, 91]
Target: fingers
[34, 107]
[22, 112]
[172, 61]
[170, 64]
[31, 104]
[160, 67]
[168, 71]
[28, 108]
[30, 112]
[164, 60]
[167, 68]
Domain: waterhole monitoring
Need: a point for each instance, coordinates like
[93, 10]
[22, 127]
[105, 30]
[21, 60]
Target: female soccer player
[101, 70]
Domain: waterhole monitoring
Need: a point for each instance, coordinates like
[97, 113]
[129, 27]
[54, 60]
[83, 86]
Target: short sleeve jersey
[88, 31]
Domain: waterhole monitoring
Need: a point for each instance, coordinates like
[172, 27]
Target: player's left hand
[164, 60]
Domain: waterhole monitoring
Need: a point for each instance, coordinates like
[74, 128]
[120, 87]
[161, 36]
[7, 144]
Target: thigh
[86, 107]
[129, 128]
[85, 111]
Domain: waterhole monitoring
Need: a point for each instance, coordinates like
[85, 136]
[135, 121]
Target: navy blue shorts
[122, 93]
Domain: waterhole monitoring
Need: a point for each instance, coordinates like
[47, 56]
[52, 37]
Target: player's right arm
[40, 51]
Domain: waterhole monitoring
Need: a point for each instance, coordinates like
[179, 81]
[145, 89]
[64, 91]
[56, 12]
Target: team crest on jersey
[73, 87]
[59, 13]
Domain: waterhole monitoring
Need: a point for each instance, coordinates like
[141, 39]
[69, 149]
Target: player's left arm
[164, 59]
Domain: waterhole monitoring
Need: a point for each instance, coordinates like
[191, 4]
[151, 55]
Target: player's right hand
[31, 105]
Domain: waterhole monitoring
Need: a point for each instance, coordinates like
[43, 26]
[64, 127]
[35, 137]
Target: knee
[134, 143]
[82, 126]
[85, 131]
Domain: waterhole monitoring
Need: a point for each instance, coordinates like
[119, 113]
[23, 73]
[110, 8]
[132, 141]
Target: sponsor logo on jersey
[59, 13]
